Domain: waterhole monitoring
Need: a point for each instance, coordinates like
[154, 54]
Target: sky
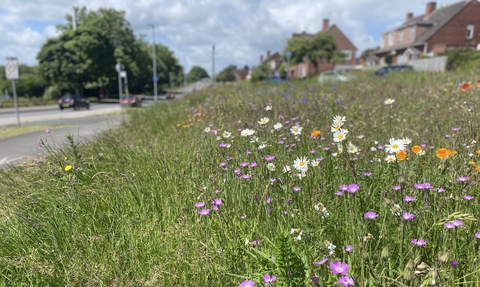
[241, 30]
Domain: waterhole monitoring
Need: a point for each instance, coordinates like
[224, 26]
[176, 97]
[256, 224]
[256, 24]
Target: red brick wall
[454, 32]
[343, 43]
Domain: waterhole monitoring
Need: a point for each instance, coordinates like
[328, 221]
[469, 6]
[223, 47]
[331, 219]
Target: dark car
[170, 95]
[75, 102]
[132, 101]
[392, 68]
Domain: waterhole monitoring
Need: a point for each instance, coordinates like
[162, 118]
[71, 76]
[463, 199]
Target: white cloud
[241, 30]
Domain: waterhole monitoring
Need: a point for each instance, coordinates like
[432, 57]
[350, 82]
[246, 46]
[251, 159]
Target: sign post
[11, 73]
[118, 68]
[288, 54]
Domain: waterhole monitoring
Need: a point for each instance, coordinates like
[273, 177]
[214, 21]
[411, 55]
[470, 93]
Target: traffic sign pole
[16, 102]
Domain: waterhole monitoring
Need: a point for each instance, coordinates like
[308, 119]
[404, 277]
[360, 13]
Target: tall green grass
[125, 215]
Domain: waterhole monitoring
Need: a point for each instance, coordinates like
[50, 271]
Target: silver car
[335, 76]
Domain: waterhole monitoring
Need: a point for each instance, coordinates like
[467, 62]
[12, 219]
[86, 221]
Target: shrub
[52, 93]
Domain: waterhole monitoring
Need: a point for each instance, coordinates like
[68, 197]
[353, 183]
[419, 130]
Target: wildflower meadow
[366, 183]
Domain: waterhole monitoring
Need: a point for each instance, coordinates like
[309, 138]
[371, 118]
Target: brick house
[274, 61]
[433, 32]
[344, 44]
[241, 74]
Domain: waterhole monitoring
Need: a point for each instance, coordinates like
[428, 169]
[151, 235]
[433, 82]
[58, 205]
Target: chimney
[409, 16]
[268, 54]
[261, 59]
[325, 24]
[430, 8]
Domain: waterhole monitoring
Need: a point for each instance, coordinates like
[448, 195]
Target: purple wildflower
[47, 131]
[338, 193]
[449, 225]
[204, 212]
[321, 262]
[217, 201]
[367, 173]
[269, 279]
[244, 164]
[223, 163]
[352, 188]
[246, 176]
[199, 204]
[419, 242]
[349, 248]
[346, 281]
[343, 187]
[468, 197]
[477, 235]
[457, 223]
[371, 215]
[397, 187]
[253, 164]
[339, 267]
[296, 188]
[408, 216]
[408, 198]
[462, 178]
[454, 263]
[243, 216]
[247, 283]
[269, 157]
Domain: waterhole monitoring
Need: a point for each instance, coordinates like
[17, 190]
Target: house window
[470, 31]
[400, 37]
[390, 39]
[348, 54]
[412, 32]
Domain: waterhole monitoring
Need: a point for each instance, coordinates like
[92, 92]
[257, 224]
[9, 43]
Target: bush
[52, 93]
[461, 58]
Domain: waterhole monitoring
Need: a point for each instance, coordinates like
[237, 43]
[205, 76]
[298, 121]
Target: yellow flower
[65, 158]
[68, 167]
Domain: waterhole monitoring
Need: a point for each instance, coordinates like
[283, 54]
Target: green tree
[261, 72]
[226, 75]
[196, 73]
[319, 48]
[31, 84]
[366, 53]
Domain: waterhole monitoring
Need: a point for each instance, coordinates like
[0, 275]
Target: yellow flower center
[394, 145]
[302, 163]
[340, 137]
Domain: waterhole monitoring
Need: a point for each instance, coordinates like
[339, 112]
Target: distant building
[344, 44]
[455, 25]
[274, 61]
[241, 74]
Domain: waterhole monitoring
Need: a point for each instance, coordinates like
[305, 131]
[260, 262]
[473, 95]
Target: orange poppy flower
[478, 83]
[442, 153]
[416, 149]
[401, 155]
[315, 133]
[465, 87]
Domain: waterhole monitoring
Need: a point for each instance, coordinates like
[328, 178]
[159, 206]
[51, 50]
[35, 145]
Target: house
[431, 33]
[241, 74]
[274, 61]
[344, 44]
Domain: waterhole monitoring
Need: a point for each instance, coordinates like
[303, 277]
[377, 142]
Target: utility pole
[118, 67]
[74, 19]
[184, 70]
[155, 78]
[213, 64]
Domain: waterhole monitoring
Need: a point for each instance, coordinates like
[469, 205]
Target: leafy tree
[316, 49]
[30, 83]
[196, 73]
[261, 72]
[226, 75]
[366, 53]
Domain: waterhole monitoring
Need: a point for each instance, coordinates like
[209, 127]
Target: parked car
[170, 95]
[335, 76]
[275, 79]
[392, 68]
[72, 101]
[132, 101]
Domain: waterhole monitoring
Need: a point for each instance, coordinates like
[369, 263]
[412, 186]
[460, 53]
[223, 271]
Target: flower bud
[443, 258]
[407, 275]
[417, 260]
[363, 253]
[386, 252]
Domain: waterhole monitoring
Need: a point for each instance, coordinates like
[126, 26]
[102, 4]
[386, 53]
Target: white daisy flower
[422, 152]
[271, 167]
[299, 237]
[373, 148]
[339, 120]
[296, 130]
[335, 127]
[262, 146]
[394, 146]
[263, 121]
[218, 138]
[406, 141]
[389, 101]
[325, 212]
[360, 136]
[247, 132]
[277, 126]
[352, 148]
[390, 158]
[315, 163]
[286, 168]
[316, 207]
[207, 129]
[268, 108]
[227, 134]
[339, 135]
[254, 140]
[301, 164]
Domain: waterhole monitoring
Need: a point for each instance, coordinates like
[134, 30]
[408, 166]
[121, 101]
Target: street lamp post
[118, 68]
[288, 54]
[155, 78]
[171, 83]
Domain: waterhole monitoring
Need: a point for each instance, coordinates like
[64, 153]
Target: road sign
[11, 69]
[118, 67]
[123, 74]
[288, 54]
[155, 79]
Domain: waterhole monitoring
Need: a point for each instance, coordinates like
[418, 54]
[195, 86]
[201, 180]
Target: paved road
[86, 125]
